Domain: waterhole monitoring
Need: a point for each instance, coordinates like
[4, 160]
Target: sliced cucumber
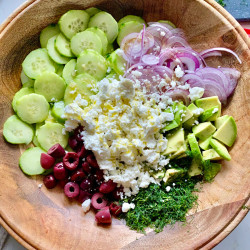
[29, 161]
[51, 86]
[50, 118]
[35, 141]
[117, 62]
[85, 40]
[19, 94]
[129, 18]
[92, 63]
[16, 131]
[128, 28]
[110, 48]
[26, 80]
[102, 36]
[47, 33]
[69, 71]
[92, 11]
[82, 85]
[37, 62]
[54, 54]
[32, 108]
[58, 110]
[63, 46]
[73, 21]
[59, 69]
[50, 134]
[106, 23]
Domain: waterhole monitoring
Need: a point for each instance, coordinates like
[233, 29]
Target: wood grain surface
[43, 219]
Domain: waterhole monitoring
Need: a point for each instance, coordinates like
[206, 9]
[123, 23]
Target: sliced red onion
[161, 25]
[193, 79]
[150, 59]
[222, 49]
[190, 60]
[180, 95]
[175, 42]
[211, 53]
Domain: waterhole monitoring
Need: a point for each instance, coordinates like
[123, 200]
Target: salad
[124, 116]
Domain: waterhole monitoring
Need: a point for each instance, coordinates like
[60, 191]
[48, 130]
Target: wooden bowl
[44, 219]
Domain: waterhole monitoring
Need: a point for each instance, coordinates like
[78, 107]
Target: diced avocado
[211, 170]
[175, 142]
[195, 169]
[203, 130]
[195, 149]
[205, 144]
[207, 114]
[210, 102]
[159, 174]
[191, 121]
[171, 125]
[220, 120]
[188, 114]
[227, 132]
[178, 114]
[173, 174]
[181, 151]
[211, 154]
[220, 149]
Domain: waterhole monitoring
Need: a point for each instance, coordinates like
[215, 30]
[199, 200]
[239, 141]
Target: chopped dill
[221, 2]
[155, 207]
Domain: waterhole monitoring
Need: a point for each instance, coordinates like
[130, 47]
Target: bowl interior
[46, 219]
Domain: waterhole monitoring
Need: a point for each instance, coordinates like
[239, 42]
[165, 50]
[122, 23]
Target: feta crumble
[86, 205]
[178, 72]
[195, 93]
[127, 206]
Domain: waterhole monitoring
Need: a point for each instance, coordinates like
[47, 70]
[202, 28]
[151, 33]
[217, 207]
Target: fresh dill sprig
[155, 207]
[221, 2]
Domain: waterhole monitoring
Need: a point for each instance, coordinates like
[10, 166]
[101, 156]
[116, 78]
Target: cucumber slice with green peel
[63, 46]
[72, 22]
[129, 18]
[35, 141]
[50, 118]
[51, 86]
[82, 85]
[19, 94]
[117, 62]
[106, 23]
[69, 71]
[167, 22]
[32, 108]
[37, 62]
[85, 40]
[92, 11]
[54, 54]
[47, 33]
[58, 110]
[29, 161]
[93, 63]
[102, 36]
[50, 134]
[110, 48]
[128, 28]
[26, 80]
[60, 69]
[16, 131]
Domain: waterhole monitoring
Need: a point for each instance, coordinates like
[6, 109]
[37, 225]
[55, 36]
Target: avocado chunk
[211, 169]
[203, 130]
[210, 102]
[211, 154]
[207, 114]
[227, 132]
[205, 144]
[180, 152]
[220, 149]
[188, 124]
[187, 114]
[171, 124]
[159, 175]
[173, 174]
[175, 142]
[220, 120]
[195, 169]
[195, 149]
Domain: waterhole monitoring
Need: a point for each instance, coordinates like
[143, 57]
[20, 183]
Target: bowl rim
[238, 216]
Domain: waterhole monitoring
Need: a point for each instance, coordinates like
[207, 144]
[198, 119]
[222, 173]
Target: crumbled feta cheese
[86, 205]
[178, 72]
[162, 33]
[40, 185]
[198, 111]
[127, 206]
[168, 188]
[195, 93]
